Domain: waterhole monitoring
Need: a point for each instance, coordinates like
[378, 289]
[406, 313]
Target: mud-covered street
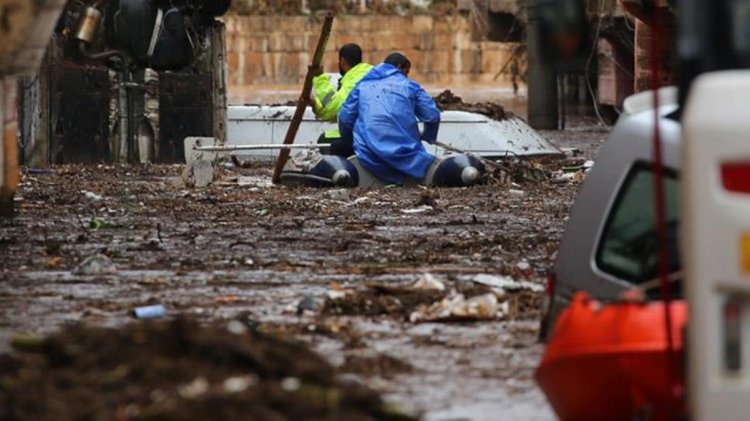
[332, 268]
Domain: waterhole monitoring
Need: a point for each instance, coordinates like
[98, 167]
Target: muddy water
[244, 248]
[501, 93]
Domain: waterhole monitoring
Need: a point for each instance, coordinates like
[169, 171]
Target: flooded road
[243, 248]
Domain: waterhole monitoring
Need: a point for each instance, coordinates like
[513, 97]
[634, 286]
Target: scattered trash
[421, 209]
[150, 312]
[236, 327]
[336, 295]
[194, 389]
[244, 181]
[39, 171]
[523, 269]
[226, 299]
[291, 384]
[567, 177]
[238, 384]
[516, 193]
[53, 262]
[456, 308]
[338, 194]
[428, 281]
[506, 283]
[97, 264]
[91, 195]
[98, 224]
[585, 166]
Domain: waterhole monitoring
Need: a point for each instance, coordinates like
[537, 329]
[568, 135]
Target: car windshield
[627, 248]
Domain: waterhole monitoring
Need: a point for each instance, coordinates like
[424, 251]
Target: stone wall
[277, 49]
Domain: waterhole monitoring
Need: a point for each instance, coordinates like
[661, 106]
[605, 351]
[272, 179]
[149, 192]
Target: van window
[627, 248]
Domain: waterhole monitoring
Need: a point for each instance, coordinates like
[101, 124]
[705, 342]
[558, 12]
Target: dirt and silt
[264, 268]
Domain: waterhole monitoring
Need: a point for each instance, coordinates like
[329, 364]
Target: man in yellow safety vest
[328, 100]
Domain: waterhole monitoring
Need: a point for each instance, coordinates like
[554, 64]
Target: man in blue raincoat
[382, 113]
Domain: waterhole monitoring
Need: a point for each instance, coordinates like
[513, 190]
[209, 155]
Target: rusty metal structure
[125, 81]
[107, 80]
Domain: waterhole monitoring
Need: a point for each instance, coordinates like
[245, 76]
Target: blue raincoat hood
[381, 114]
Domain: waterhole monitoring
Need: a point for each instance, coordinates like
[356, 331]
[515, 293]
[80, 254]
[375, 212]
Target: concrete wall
[277, 49]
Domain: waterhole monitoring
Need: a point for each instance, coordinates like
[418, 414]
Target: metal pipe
[82, 47]
[231, 148]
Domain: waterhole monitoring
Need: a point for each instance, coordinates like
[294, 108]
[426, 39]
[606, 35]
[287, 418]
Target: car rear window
[627, 248]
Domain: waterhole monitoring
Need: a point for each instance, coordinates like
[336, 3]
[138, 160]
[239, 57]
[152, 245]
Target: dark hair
[352, 53]
[399, 60]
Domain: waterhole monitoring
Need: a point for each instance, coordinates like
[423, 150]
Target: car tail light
[735, 176]
[732, 334]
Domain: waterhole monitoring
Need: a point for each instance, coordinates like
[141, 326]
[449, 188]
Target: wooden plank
[304, 97]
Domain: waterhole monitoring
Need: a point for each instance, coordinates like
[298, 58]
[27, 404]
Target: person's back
[382, 113]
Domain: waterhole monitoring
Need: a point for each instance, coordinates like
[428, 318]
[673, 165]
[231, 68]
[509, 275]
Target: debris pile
[466, 299]
[448, 101]
[177, 370]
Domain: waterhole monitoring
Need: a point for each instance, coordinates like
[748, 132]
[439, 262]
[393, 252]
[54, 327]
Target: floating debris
[150, 312]
[97, 264]
[457, 308]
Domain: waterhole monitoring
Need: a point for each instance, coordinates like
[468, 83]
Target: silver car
[609, 244]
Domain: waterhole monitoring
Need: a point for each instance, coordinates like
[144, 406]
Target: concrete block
[461, 40]
[257, 42]
[426, 42]
[420, 24]
[443, 41]
[253, 66]
[441, 61]
[198, 174]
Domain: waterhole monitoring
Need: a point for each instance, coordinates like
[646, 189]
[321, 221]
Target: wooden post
[219, 72]
[304, 98]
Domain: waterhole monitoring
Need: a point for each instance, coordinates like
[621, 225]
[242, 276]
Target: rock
[307, 304]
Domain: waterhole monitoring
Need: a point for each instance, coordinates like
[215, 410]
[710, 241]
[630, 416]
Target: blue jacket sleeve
[428, 113]
[349, 113]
